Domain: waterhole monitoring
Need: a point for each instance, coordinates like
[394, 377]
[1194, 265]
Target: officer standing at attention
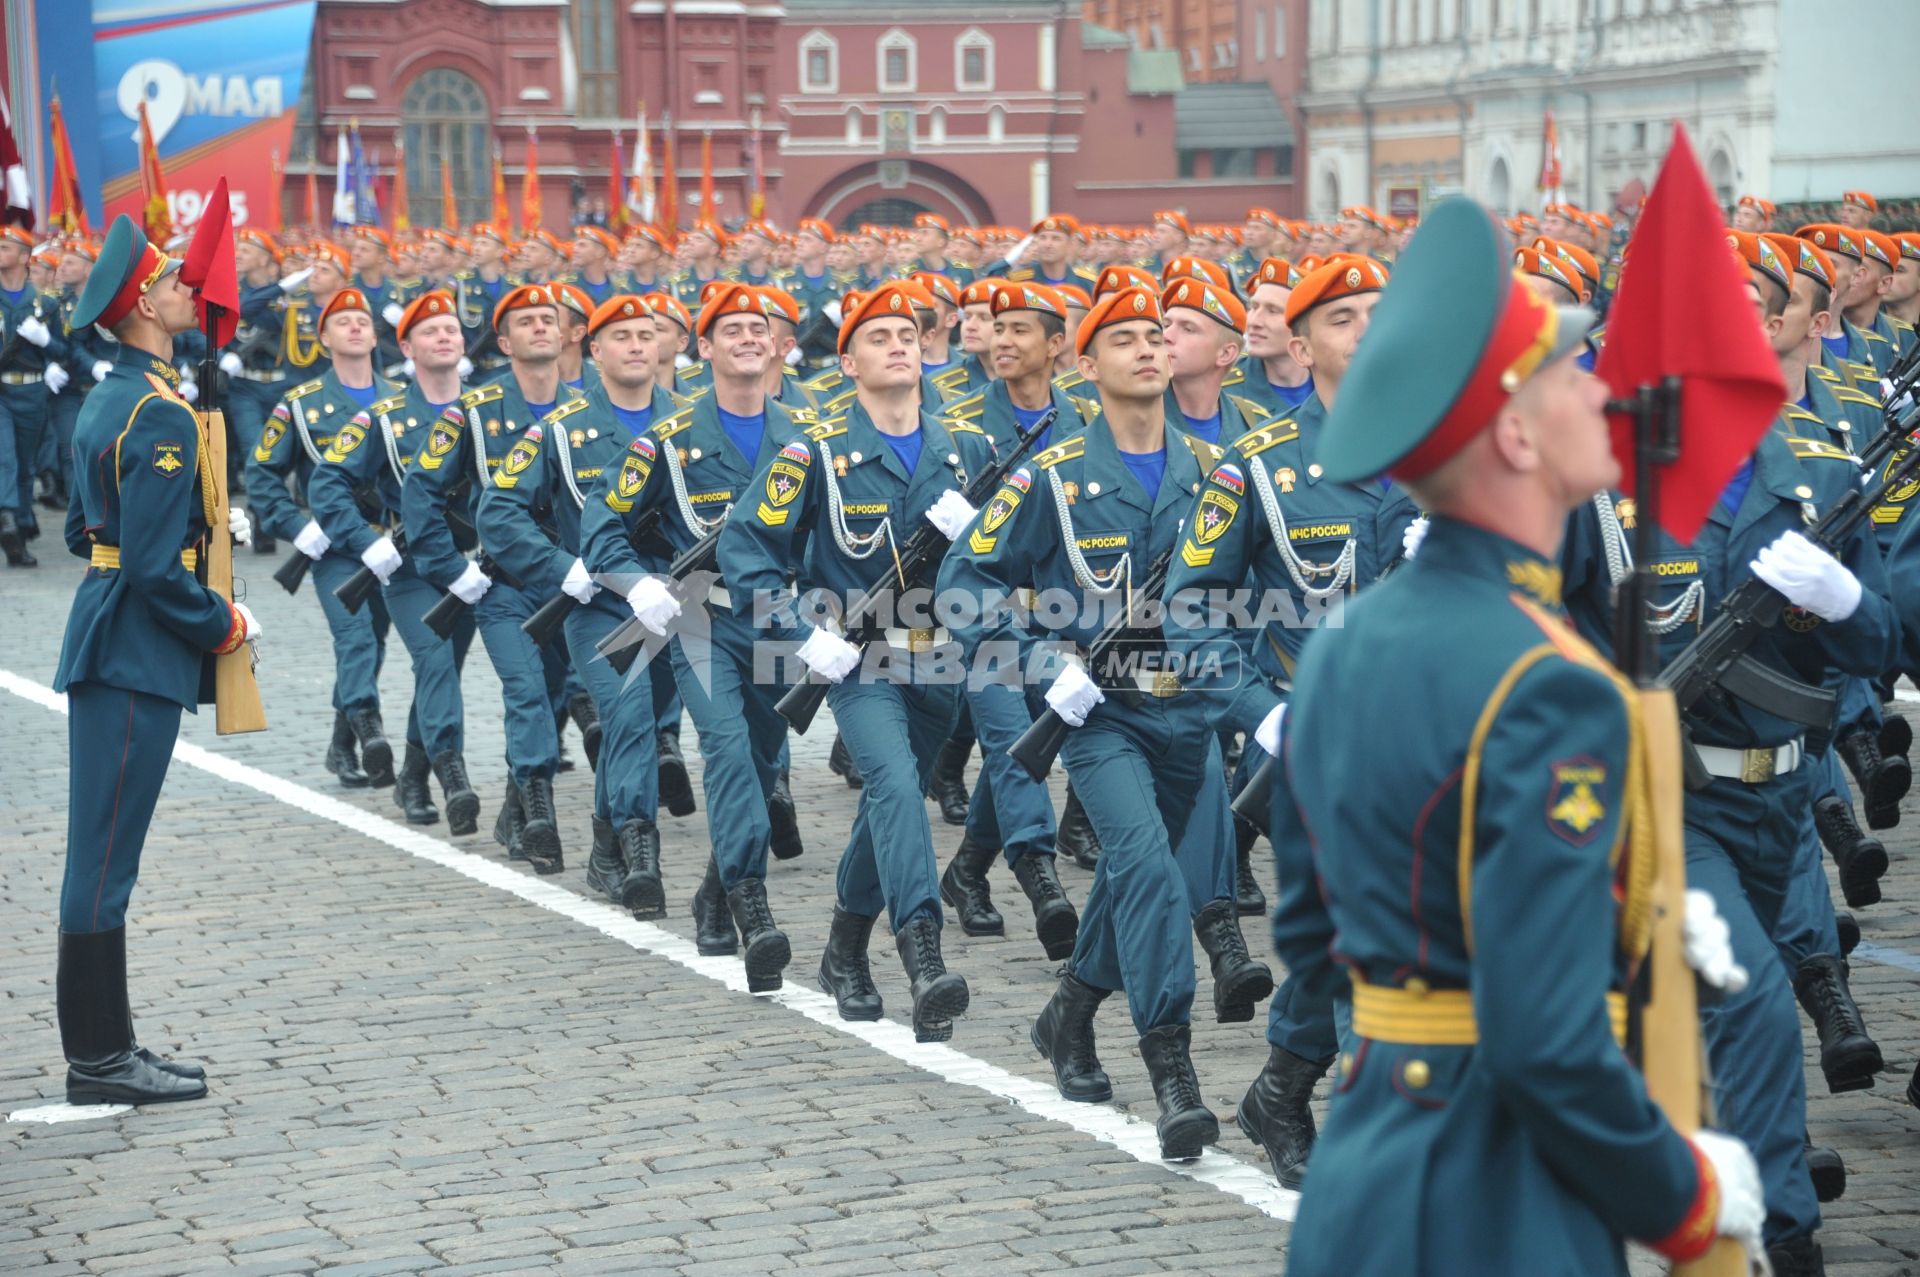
[135, 653]
[834, 508]
[300, 429]
[1487, 998]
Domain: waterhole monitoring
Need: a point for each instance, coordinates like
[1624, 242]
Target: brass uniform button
[1417, 987]
[1417, 1074]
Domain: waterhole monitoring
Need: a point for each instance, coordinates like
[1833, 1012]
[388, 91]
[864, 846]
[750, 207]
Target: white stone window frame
[968, 40]
[816, 41]
[897, 38]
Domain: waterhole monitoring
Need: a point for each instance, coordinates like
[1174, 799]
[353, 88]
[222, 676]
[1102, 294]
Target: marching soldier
[482, 286]
[756, 256]
[135, 653]
[1269, 374]
[88, 360]
[703, 245]
[298, 432]
[1053, 244]
[648, 258]
[29, 343]
[1204, 326]
[931, 235]
[817, 287]
[594, 272]
[1848, 352]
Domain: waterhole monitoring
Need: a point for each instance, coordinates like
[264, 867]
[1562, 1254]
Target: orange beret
[486, 230]
[1174, 217]
[1860, 199]
[814, 226]
[1544, 263]
[598, 234]
[1196, 268]
[1264, 215]
[931, 221]
[329, 254]
[667, 306]
[1274, 270]
[345, 299]
[1118, 308]
[435, 235]
[729, 298]
[980, 291]
[1879, 247]
[547, 237]
[246, 234]
[1807, 258]
[967, 233]
[18, 234]
[1753, 202]
[523, 297]
[891, 299]
[1216, 303]
[651, 235]
[426, 306]
[375, 235]
[762, 228]
[778, 303]
[867, 230]
[1064, 222]
[942, 288]
[1832, 237]
[1909, 243]
[1043, 298]
[1114, 278]
[575, 298]
[1341, 275]
[1076, 296]
[1579, 258]
[712, 286]
[1756, 252]
[616, 308]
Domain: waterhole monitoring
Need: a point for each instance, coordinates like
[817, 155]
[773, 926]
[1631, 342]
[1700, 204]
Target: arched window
[937, 125]
[973, 61]
[853, 127]
[819, 63]
[997, 124]
[444, 117]
[897, 51]
[1500, 188]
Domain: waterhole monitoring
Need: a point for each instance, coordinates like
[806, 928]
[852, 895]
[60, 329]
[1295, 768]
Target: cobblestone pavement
[425, 1058]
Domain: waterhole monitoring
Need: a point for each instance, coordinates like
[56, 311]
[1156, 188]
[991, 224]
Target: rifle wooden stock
[236, 695]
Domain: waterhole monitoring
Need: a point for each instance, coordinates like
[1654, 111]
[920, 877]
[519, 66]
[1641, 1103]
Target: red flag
[209, 270]
[706, 178]
[66, 211]
[617, 217]
[156, 214]
[16, 197]
[449, 203]
[1550, 160]
[500, 221]
[531, 218]
[401, 221]
[669, 180]
[1683, 311]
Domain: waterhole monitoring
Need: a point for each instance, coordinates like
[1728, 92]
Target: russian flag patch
[1230, 478]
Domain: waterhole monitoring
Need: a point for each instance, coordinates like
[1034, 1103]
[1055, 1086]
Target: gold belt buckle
[1757, 766]
[1166, 683]
[920, 640]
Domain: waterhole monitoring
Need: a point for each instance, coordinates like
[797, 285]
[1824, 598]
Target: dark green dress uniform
[266, 350]
[476, 297]
[1249, 379]
[1234, 416]
[819, 335]
[85, 348]
[26, 407]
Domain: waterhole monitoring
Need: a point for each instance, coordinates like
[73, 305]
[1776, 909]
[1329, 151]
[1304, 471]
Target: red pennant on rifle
[209, 269]
[1684, 310]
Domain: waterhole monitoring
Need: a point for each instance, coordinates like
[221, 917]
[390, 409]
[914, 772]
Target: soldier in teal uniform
[355, 493]
[480, 289]
[258, 361]
[703, 244]
[86, 362]
[300, 429]
[646, 255]
[1083, 521]
[371, 251]
[472, 442]
[136, 653]
[818, 288]
[685, 469]
[1488, 1108]
[1204, 327]
[833, 508]
[1052, 256]
[1269, 374]
[30, 340]
[756, 267]
[1856, 356]
[594, 271]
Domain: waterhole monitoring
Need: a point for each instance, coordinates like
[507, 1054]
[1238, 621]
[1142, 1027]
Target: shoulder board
[1019, 276]
[971, 406]
[1082, 272]
[305, 389]
[1207, 454]
[1089, 408]
[1597, 337]
[1059, 452]
[827, 429]
[568, 408]
[484, 395]
[1850, 394]
[1871, 335]
[1249, 409]
[947, 376]
[962, 428]
[691, 370]
[1258, 441]
[802, 416]
[1806, 449]
[840, 400]
[1794, 412]
[1069, 379]
[1823, 372]
[671, 426]
[1235, 377]
[390, 404]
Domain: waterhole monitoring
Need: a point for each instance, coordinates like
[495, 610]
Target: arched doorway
[1720, 177]
[444, 115]
[891, 211]
[883, 193]
[1500, 188]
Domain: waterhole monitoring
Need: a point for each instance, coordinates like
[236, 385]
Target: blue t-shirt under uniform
[1148, 468]
[540, 410]
[1736, 490]
[1207, 428]
[745, 432]
[636, 420]
[907, 447]
[1027, 417]
[363, 395]
[1838, 345]
[1293, 396]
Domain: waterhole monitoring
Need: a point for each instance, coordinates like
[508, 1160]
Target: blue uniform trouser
[742, 740]
[1742, 845]
[666, 697]
[533, 746]
[893, 730]
[1297, 1019]
[438, 712]
[24, 411]
[1806, 926]
[57, 450]
[1205, 853]
[248, 405]
[626, 781]
[359, 638]
[1143, 783]
[118, 746]
[1010, 809]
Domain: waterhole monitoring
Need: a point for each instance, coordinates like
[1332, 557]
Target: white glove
[230, 364]
[57, 378]
[471, 585]
[252, 633]
[951, 514]
[1019, 251]
[829, 655]
[1743, 1207]
[239, 527]
[34, 331]
[1809, 577]
[463, 369]
[101, 367]
[794, 357]
[382, 558]
[293, 281]
[406, 370]
[1073, 695]
[1708, 943]
[189, 390]
[1267, 735]
[653, 604]
[578, 583]
[392, 313]
[312, 540]
[1410, 539]
[832, 311]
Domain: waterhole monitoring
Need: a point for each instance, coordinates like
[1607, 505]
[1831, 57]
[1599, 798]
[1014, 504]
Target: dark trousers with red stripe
[118, 746]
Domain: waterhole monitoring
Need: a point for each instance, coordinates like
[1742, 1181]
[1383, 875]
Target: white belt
[1751, 766]
[21, 378]
[717, 596]
[918, 640]
[263, 374]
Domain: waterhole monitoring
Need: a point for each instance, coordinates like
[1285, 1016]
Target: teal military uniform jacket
[23, 357]
[138, 486]
[1250, 382]
[355, 490]
[298, 432]
[1239, 414]
[992, 410]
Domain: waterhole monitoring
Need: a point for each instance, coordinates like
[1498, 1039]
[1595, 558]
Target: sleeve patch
[169, 459]
[1575, 811]
[270, 437]
[634, 471]
[1228, 476]
[1217, 510]
[346, 441]
[643, 447]
[797, 452]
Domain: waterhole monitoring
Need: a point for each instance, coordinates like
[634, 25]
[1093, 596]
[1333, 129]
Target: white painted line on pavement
[1906, 694]
[1136, 1138]
[54, 1114]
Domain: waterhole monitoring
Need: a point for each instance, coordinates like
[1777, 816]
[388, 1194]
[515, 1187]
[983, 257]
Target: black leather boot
[938, 994]
[1075, 837]
[713, 932]
[641, 890]
[463, 805]
[1849, 931]
[1883, 781]
[1185, 1125]
[343, 756]
[1063, 1035]
[767, 949]
[1848, 1057]
[840, 763]
[96, 1028]
[563, 762]
[947, 784]
[12, 542]
[1248, 899]
[540, 834]
[676, 787]
[1913, 1088]
[175, 1067]
[605, 869]
[844, 973]
[1798, 1257]
[786, 844]
[1896, 735]
[411, 794]
[1274, 1113]
[1055, 921]
[511, 820]
[1860, 857]
[1828, 1172]
[964, 886]
[376, 756]
[1239, 983]
[586, 716]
